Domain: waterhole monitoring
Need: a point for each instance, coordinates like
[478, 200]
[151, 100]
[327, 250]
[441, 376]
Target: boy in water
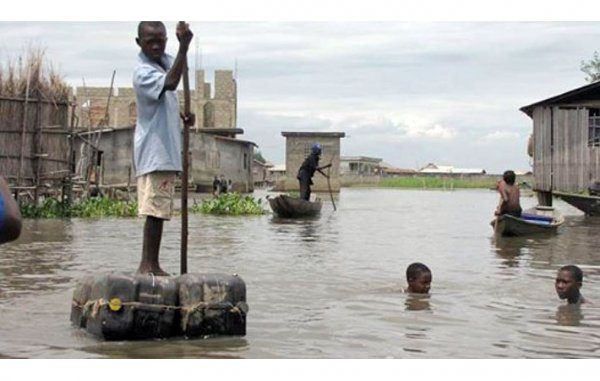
[509, 195]
[418, 277]
[568, 282]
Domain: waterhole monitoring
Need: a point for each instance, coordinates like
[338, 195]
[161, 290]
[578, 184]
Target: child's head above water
[569, 280]
[418, 277]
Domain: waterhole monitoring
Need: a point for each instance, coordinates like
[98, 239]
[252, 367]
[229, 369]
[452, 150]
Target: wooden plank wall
[594, 168]
[542, 165]
[562, 159]
[571, 159]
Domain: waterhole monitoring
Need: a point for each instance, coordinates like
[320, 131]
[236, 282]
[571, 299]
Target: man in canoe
[10, 216]
[568, 282]
[157, 140]
[509, 195]
[307, 170]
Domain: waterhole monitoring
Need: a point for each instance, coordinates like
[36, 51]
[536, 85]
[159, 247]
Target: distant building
[260, 172]
[388, 170]
[433, 169]
[297, 148]
[276, 173]
[359, 165]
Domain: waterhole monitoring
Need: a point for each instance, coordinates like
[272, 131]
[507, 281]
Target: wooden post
[24, 128]
[184, 178]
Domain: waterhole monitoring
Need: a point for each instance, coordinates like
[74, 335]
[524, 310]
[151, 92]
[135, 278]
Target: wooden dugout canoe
[292, 207]
[590, 205]
[508, 225]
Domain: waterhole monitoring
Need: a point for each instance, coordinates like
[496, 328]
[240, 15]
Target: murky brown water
[327, 288]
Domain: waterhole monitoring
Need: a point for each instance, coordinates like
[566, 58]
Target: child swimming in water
[418, 277]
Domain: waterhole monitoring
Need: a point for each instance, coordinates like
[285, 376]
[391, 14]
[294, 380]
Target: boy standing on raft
[157, 139]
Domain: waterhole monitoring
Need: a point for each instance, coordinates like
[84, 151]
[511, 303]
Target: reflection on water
[326, 287]
[569, 314]
[416, 302]
[34, 263]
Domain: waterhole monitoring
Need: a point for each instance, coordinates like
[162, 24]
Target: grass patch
[88, 208]
[430, 182]
[232, 204]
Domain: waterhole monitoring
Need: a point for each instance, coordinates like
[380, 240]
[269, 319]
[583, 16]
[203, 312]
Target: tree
[592, 68]
[259, 157]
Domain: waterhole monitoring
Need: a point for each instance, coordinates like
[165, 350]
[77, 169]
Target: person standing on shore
[157, 140]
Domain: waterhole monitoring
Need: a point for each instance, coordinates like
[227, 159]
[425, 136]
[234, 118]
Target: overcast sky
[409, 93]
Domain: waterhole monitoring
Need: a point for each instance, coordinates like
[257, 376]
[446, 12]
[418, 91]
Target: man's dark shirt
[308, 167]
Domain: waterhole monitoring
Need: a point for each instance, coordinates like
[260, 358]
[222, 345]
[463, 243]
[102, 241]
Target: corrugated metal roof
[588, 92]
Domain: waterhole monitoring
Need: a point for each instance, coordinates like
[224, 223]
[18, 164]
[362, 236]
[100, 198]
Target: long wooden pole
[184, 179]
[329, 187]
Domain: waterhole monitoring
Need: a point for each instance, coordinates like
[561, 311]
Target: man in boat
[157, 140]
[307, 170]
[509, 195]
[10, 216]
[568, 282]
[418, 277]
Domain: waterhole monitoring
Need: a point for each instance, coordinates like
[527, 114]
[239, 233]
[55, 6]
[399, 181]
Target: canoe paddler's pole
[184, 178]
[329, 185]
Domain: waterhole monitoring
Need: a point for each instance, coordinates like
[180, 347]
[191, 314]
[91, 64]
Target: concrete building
[297, 148]
[260, 173]
[276, 173]
[214, 148]
[211, 155]
[218, 111]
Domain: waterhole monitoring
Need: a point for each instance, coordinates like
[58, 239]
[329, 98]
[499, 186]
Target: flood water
[329, 287]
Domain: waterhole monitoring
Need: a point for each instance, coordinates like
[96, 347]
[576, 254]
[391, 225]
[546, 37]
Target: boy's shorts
[155, 192]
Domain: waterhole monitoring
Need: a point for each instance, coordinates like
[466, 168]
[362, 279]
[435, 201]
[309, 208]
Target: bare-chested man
[509, 195]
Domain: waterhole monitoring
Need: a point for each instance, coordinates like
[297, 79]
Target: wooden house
[566, 142]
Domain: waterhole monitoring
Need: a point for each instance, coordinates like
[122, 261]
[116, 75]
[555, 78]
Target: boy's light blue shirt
[157, 138]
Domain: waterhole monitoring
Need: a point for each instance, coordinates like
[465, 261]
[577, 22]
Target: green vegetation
[88, 208]
[430, 182]
[591, 68]
[229, 204]
[259, 157]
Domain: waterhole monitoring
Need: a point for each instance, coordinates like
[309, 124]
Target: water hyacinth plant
[230, 204]
[88, 208]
